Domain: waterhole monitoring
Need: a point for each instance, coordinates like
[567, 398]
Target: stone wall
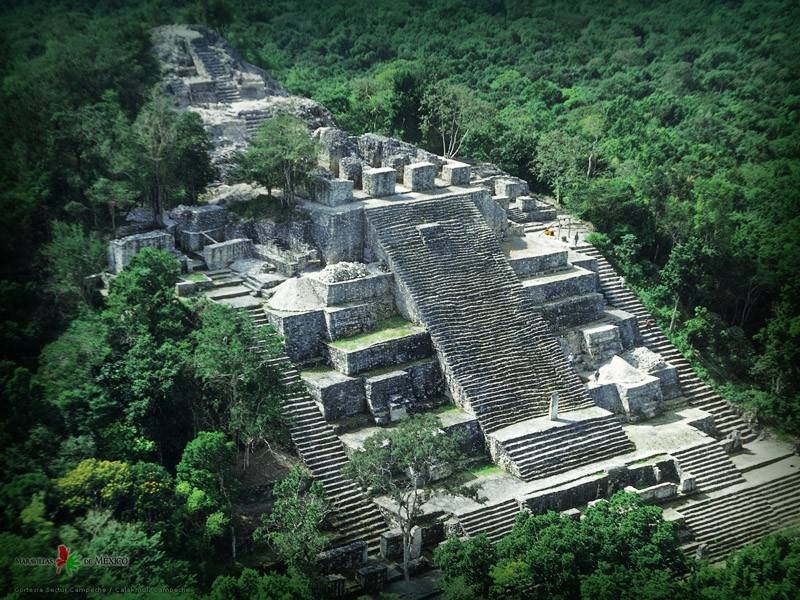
[121, 251]
[343, 558]
[198, 226]
[373, 287]
[218, 256]
[304, 332]
[338, 234]
[381, 354]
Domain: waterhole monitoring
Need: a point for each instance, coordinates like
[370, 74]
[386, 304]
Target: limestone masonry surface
[406, 283]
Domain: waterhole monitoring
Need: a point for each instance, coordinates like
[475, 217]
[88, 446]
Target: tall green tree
[453, 112]
[403, 463]
[294, 527]
[243, 394]
[281, 154]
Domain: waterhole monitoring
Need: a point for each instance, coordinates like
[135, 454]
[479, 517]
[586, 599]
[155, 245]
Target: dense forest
[673, 129]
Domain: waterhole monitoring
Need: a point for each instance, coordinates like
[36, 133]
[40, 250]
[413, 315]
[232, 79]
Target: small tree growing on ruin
[281, 155]
[557, 160]
[402, 463]
[454, 112]
[174, 150]
[243, 395]
[294, 527]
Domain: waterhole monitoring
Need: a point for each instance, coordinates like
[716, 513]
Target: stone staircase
[495, 520]
[561, 449]
[745, 515]
[710, 466]
[253, 120]
[211, 62]
[227, 91]
[697, 392]
[496, 349]
[355, 517]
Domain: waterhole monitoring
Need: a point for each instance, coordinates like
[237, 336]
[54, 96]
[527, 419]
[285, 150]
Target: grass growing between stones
[389, 329]
[196, 277]
[486, 470]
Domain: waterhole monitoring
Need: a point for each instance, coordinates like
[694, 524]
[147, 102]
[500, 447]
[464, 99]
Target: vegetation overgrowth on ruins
[672, 128]
[619, 550]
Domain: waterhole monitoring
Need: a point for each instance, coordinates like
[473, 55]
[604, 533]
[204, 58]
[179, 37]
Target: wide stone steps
[476, 312]
[355, 515]
[495, 520]
[727, 522]
[565, 448]
[697, 392]
[227, 91]
[710, 465]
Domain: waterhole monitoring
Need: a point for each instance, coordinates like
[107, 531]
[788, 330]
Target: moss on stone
[389, 329]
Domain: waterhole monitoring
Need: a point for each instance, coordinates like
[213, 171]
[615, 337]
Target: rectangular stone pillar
[455, 173]
[379, 182]
[419, 176]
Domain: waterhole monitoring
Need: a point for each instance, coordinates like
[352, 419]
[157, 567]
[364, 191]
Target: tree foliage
[294, 527]
[402, 463]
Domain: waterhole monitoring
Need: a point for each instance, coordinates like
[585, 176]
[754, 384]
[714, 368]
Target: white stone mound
[342, 271]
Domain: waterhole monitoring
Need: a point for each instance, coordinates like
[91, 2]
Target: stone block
[453, 528]
[351, 168]
[337, 395]
[335, 586]
[185, 288]
[381, 354]
[304, 332]
[628, 326]
[527, 204]
[455, 173]
[379, 182]
[397, 162]
[364, 289]
[343, 558]
[569, 283]
[602, 342]
[655, 493]
[397, 410]
[344, 321]
[567, 496]
[534, 264]
[372, 578]
[572, 513]
[419, 176]
[651, 363]
[339, 234]
[510, 187]
[331, 192]
[197, 226]
[387, 395]
[218, 256]
[122, 250]
[392, 544]
[572, 311]
[467, 428]
[502, 201]
[427, 382]
[334, 145]
[640, 399]
[415, 547]
[687, 484]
